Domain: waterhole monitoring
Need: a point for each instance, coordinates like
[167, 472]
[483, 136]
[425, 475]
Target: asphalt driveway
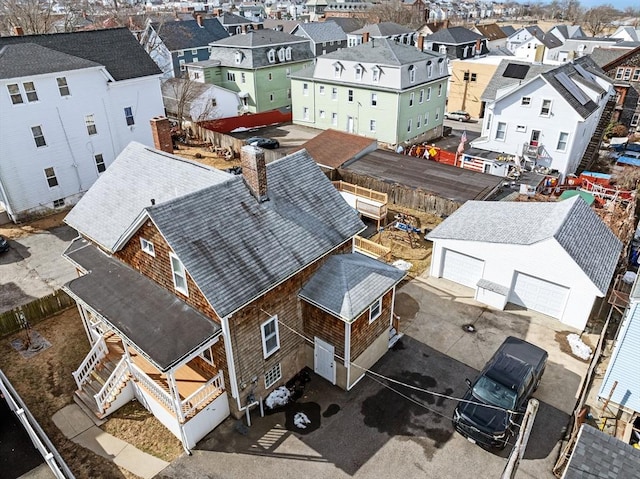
[382, 429]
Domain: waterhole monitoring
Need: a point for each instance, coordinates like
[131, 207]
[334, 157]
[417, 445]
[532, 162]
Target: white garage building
[554, 258]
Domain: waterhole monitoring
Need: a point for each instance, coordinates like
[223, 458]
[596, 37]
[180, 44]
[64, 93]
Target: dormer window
[287, 53]
[375, 75]
[337, 70]
[412, 74]
[238, 57]
[442, 49]
[271, 56]
[358, 73]
[429, 69]
[441, 65]
[281, 54]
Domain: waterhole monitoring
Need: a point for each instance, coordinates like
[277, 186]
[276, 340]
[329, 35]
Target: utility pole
[517, 453]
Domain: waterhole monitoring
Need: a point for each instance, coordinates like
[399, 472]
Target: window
[196, 75]
[501, 131]
[358, 73]
[334, 119]
[208, 356]
[231, 76]
[619, 73]
[238, 57]
[321, 89]
[474, 77]
[421, 96]
[179, 275]
[374, 99]
[271, 97]
[334, 93]
[59, 203]
[271, 56]
[372, 125]
[375, 310]
[194, 51]
[526, 101]
[243, 77]
[428, 93]
[30, 90]
[546, 108]
[62, 86]
[288, 93]
[350, 96]
[437, 115]
[90, 123]
[50, 174]
[440, 89]
[101, 167]
[272, 376]
[270, 337]
[489, 117]
[419, 122]
[281, 54]
[147, 247]
[305, 113]
[426, 119]
[183, 66]
[627, 76]
[411, 97]
[322, 114]
[287, 72]
[305, 89]
[521, 128]
[38, 136]
[14, 93]
[441, 67]
[287, 53]
[636, 75]
[270, 76]
[429, 69]
[563, 139]
[412, 74]
[409, 124]
[128, 115]
[466, 76]
[336, 71]
[375, 75]
[635, 119]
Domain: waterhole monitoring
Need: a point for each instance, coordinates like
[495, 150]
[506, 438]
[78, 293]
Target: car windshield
[494, 393]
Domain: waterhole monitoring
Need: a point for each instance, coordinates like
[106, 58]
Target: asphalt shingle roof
[115, 48]
[499, 81]
[454, 36]
[333, 148]
[29, 59]
[186, 34]
[573, 224]
[347, 284]
[321, 32]
[138, 175]
[228, 18]
[492, 31]
[383, 52]
[348, 25]
[260, 38]
[383, 29]
[236, 248]
[598, 455]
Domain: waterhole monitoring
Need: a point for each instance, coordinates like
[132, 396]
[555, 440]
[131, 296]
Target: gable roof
[27, 59]
[260, 38]
[186, 34]
[606, 57]
[347, 284]
[383, 29]
[491, 31]
[348, 24]
[625, 56]
[599, 455]
[286, 26]
[116, 49]
[573, 224]
[228, 18]
[508, 30]
[382, 51]
[454, 36]
[237, 249]
[333, 148]
[503, 77]
[138, 175]
[321, 32]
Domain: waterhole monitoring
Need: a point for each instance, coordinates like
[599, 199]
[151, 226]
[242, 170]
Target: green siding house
[257, 65]
[380, 89]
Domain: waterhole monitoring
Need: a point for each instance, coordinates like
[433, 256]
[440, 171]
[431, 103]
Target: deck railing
[211, 388]
[97, 353]
[360, 191]
[154, 389]
[110, 389]
[370, 248]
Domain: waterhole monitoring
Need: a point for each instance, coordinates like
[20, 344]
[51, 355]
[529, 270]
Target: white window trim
[546, 115]
[375, 306]
[498, 129]
[266, 353]
[566, 142]
[147, 247]
[184, 290]
[522, 101]
[204, 357]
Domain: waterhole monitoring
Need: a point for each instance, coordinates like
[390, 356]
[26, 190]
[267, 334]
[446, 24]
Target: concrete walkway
[76, 426]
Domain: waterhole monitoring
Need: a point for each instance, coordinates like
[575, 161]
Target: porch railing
[154, 389]
[97, 353]
[360, 191]
[371, 248]
[109, 390]
[371, 210]
[213, 387]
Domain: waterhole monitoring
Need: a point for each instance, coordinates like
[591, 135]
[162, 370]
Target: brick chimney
[161, 131]
[421, 43]
[199, 20]
[365, 37]
[18, 31]
[254, 171]
[219, 12]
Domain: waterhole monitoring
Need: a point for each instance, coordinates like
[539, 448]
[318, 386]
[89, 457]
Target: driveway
[383, 429]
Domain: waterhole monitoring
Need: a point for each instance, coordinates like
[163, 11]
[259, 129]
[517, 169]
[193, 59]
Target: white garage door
[461, 268]
[539, 295]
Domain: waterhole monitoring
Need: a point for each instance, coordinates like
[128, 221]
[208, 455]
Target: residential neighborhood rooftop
[27, 59]
[383, 51]
[186, 34]
[260, 38]
[333, 148]
[454, 36]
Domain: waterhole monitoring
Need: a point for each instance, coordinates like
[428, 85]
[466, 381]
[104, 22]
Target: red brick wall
[363, 334]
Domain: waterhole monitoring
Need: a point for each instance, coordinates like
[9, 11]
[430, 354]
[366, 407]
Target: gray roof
[508, 30]
[113, 290]
[187, 34]
[499, 81]
[604, 56]
[551, 41]
[454, 36]
[599, 455]
[321, 32]
[228, 18]
[115, 48]
[347, 284]
[383, 52]
[29, 59]
[237, 249]
[573, 224]
[138, 175]
[260, 38]
[347, 24]
[383, 29]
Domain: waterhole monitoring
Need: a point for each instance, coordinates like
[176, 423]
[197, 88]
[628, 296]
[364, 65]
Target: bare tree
[184, 101]
[571, 10]
[597, 20]
[32, 16]
[393, 11]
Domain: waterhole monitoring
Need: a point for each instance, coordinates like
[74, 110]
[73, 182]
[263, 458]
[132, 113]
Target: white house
[547, 121]
[554, 258]
[69, 107]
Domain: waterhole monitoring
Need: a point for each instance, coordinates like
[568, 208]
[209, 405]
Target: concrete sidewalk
[76, 426]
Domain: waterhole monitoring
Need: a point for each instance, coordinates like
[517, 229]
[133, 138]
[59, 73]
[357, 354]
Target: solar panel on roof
[516, 71]
[577, 93]
[583, 72]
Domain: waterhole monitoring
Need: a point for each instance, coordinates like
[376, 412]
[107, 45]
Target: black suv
[485, 415]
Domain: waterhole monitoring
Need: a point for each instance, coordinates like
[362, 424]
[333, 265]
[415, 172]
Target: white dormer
[337, 70]
[281, 54]
[375, 74]
[412, 74]
[442, 49]
[287, 53]
[238, 57]
[271, 56]
[358, 72]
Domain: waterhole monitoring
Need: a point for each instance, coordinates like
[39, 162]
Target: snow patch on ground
[301, 420]
[278, 397]
[402, 265]
[578, 348]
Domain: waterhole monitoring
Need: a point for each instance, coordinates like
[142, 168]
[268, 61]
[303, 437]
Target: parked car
[459, 115]
[4, 244]
[269, 143]
[505, 385]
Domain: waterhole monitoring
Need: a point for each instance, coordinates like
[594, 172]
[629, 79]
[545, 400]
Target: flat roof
[445, 181]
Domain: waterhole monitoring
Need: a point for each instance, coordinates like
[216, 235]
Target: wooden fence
[34, 312]
[223, 140]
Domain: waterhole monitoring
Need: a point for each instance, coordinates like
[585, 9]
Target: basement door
[539, 295]
[323, 362]
[461, 268]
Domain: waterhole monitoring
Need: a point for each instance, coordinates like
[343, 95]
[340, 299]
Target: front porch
[369, 203]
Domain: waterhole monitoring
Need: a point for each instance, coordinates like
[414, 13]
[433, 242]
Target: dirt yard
[13, 231]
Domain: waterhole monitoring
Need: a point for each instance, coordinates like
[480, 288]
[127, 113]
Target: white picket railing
[152, 387]
[211, 388]
[97, 353]
[110, 389]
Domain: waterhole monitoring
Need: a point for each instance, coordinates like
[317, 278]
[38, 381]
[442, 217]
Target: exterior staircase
[98, 378]
[593, 148]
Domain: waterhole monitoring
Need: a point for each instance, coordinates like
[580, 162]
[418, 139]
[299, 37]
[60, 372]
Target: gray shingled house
[203, 291]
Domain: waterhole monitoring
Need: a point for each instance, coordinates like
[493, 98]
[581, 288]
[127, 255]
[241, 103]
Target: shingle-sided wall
[364, 334]
[325, 326]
